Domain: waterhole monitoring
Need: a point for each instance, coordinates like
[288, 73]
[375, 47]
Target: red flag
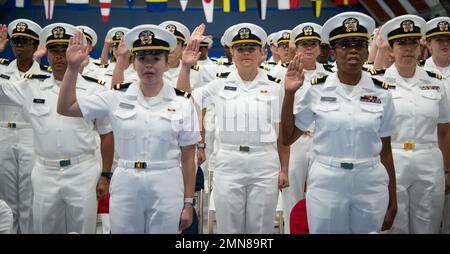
[105, 8]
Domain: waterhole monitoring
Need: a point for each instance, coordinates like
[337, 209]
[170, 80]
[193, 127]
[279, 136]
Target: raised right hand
[3, 37]
[76, 52]
[294, 76]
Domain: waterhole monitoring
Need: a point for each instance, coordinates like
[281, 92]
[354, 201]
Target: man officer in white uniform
[66, 170]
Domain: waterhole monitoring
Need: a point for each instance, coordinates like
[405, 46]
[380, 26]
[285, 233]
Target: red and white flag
[20, 3]
[48, 6]
[208, 8]
[105, 8]
[288, 4]
[183, 4]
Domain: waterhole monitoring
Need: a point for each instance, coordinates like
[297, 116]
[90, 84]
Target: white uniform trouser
[146, 201]
[344, 201]
[299, 162]
[246, 190]
[446, 216]
[420, 190]
[65, 198]
[6, 218]
[16, 163]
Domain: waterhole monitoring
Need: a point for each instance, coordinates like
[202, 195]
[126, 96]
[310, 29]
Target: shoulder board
[328, 67]
[222, 75]
[45, 68]
[272, 78]
[285, 65]
[195, 67]
[91, 79]
[121, 86]
[368, 62]
[318, 81]
[265, 67]
[270, 63]
[381, 84]
[434, 75]
[421, 63]
[35, 76]
[221, 63]
[373, 71]
[5, 61]
[101, 65]
[182, 93]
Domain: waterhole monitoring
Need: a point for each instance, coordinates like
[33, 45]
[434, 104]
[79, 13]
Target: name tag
[126, 105]
[230, 88]
[371, 99]
[40, 101]
[437, 88]
[4, 76]
[329, 99]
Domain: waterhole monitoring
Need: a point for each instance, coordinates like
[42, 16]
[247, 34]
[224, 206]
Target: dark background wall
[121, 15]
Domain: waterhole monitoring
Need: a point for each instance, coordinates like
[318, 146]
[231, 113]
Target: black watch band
[107, 174]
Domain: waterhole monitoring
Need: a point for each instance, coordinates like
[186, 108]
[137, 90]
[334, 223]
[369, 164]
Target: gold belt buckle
[12, 125]
[140, 164]
[408, 146]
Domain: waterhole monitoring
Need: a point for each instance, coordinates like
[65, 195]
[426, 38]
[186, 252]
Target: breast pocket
[430, 106]
[371, 116]
[126, 120]
[328, 116]
[40, 116]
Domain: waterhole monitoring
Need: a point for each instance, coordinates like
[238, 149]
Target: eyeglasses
[21, 41]
[349, 44]
[249, 49]
[283, 45]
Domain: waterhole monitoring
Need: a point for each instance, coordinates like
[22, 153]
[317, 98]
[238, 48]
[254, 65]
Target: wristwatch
[189, 201]
[201, 145]
[107, 175]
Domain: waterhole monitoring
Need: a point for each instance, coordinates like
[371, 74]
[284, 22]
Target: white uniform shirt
[56, 136]
[420, 105]
[92, 70]
[347, 126]
[129, 74]
[209, 73]
[9, 111]
[207, 61]
[246, 114]
[279, 71]
[445, 72]
[171, 76]
[145, 129]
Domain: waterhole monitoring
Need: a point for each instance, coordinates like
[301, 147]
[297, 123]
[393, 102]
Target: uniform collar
[364, 84]
[12, 68]
[233, 77]
[430, 65]
[134, 93]
[392, 75]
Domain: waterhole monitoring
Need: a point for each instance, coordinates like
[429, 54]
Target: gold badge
[146, 37]
[408, 26]
[119, 35]
[286, 35]
[58, 32]
[308, 30]
[351, 25]
[443, 26]
[171, 28]
[244, 33]
[21, 27]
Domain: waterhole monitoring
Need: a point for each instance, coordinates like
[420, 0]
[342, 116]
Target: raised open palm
[191, 53]
[3, 37]
[294, 76]
[76, 52]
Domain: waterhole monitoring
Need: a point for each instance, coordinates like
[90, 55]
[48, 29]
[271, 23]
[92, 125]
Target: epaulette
[328, 67]
[182, 93]
[285, 65]
[102, 66]
[45, 68]
[421, 63]
[381, 84]
[372, 71]
[434, 75]
[272, 78]
[35, 76]
[122, 86]
[219, 62]
[195, 67]
[223, 74]
[5, 61]
[265, 67]
[319, 80]
[270, 63]
[98, 81]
